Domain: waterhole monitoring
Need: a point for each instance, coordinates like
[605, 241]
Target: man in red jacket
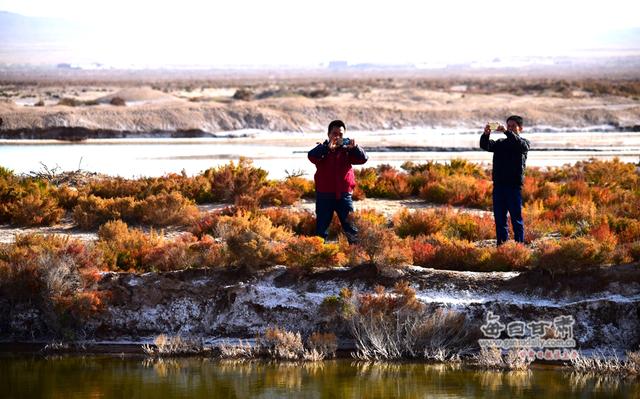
[335, 180]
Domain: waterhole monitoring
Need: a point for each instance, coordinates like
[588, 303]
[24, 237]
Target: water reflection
[72, 377]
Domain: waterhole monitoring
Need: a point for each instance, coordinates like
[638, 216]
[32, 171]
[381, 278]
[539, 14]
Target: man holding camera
[509, 162]
[335, 180]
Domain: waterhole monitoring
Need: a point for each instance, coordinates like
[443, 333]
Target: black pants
[507, 199]
[326, 205]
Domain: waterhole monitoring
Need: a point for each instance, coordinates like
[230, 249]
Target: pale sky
[299, 32]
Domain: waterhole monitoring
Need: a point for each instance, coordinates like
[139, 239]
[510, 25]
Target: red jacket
[334, 173]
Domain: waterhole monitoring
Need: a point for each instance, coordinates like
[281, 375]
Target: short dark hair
[517, 119]
[336, 123]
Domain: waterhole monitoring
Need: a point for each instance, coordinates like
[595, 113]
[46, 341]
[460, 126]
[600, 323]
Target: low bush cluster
[54, 274]
[280, 344]
[592, 208]
[122, 248]
[396, 325]
[155, 210]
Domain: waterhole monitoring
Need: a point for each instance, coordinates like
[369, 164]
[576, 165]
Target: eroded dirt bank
[213, 304]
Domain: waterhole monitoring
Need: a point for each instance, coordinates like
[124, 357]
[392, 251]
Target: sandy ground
[68, 228]
[303, 106]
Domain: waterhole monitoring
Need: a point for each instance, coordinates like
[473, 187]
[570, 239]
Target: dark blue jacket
[509, 158]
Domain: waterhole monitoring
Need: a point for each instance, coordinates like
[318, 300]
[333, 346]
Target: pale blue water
[278, 153]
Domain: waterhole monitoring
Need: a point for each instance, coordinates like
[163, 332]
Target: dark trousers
[508, 199]
[326, 204]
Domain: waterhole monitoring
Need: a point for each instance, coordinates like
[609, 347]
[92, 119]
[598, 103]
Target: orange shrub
[407, 223]
[123, 248]
[92, 211]
[312, 252]
[510, 256]
[458, 190]
[165, 210]
[305, 187]
[602, 233]
[570, 255]
[277, 194]
[383, 304]
[370, 215]
[66, 196]
[35, 209]
[576, 188]
[381, 246]
[469, 227]
[170, 255]
[366, 178]
[610, 173]
[115, 187]
[205, 224]
[231, 180]
[299, 222]
[536, 225]
[530, 188]
[54, 274]
[634, 250]
[548, 190]
[207, 252]
[358, 194]
[252, 242]
[391, 184]
[454, 254]
[579, 211]
[628, 230]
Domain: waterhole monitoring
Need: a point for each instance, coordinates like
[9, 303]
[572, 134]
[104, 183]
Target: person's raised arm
[486, 143]
[357, 156]
[319, 152]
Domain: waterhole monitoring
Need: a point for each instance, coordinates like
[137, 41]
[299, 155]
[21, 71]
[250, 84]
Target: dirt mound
[137, 94]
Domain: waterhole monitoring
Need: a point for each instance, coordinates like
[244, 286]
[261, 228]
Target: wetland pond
[28, 376]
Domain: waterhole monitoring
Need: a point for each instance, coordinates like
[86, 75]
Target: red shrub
[423, 250]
